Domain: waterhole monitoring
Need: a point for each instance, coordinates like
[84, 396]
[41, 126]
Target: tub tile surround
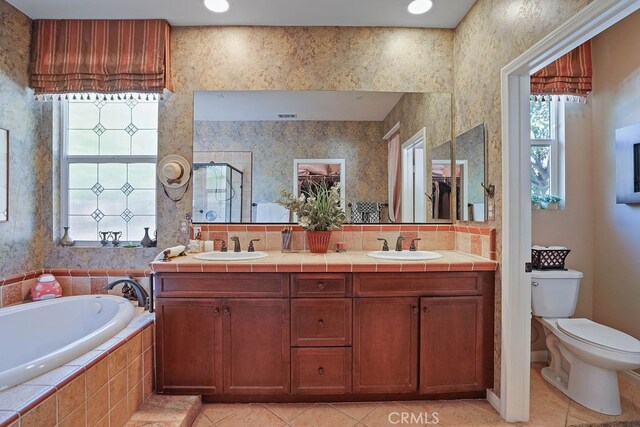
[102, 387]
[16, 289]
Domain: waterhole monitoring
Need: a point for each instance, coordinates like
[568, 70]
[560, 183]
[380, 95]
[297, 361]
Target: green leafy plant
[318, 209]
[551, 199]
[535, 199]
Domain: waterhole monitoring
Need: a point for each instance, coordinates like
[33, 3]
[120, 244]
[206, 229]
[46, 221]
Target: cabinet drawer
[418, 284]
[321, 370]
[320, 285]
[321, 322]
[238, 285]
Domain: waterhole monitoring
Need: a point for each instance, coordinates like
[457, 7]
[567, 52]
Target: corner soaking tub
[38, 337]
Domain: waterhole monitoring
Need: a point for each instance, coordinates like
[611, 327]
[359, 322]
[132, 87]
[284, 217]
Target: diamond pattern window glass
[108, 167]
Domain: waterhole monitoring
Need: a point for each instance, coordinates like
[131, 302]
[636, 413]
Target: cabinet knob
[425, 309]
[414, 309]
[321, 286]
[321, 323]
[216, 311]
[226, 311]
[321, 371]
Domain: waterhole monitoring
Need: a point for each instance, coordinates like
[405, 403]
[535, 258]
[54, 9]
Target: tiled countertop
[356, 261]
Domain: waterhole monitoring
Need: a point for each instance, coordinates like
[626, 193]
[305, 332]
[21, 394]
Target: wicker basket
[549, 259]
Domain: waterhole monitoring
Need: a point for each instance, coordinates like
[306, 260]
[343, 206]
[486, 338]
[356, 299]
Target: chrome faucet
[399, 243]
[132, 290]
[236, 243]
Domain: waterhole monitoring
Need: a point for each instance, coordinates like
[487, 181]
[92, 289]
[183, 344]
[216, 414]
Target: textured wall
[20, 249]
[491, 35]
[275, 144]
[616, 288]
[292, 58]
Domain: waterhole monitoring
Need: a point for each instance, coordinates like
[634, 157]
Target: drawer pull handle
[321, 286]
[415, 309]
[216, 311]
[425, 309]
[320, 371]
[226, 311]
[321, 323]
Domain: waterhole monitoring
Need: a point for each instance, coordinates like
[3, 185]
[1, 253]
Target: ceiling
[354, 13]
[308, 105]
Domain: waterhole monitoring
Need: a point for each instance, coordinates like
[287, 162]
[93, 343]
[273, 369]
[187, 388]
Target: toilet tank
[554, 293]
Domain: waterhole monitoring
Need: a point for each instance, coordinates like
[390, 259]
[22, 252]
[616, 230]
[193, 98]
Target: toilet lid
[600, 335]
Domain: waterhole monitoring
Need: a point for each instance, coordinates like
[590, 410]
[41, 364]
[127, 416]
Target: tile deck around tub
[356, 261]
[43, 396]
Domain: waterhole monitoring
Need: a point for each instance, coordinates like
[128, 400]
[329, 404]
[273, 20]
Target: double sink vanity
[291, 327]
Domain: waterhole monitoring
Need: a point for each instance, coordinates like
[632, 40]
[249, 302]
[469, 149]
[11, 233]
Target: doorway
[516, 223]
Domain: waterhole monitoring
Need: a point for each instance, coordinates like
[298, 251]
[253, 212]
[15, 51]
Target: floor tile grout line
[283, 420]
[377, 404]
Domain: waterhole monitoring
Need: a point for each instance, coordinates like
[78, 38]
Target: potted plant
[535, 202]
[318, 211]
[551, 202]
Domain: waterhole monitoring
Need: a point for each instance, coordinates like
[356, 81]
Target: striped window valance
[569, 75]
[100, 56]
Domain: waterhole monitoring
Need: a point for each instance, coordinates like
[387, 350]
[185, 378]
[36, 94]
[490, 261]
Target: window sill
[97, 245]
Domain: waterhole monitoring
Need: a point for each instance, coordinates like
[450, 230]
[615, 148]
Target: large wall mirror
[4, 175]
[250, 145]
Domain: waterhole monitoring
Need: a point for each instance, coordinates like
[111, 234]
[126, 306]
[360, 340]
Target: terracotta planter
[318, 241]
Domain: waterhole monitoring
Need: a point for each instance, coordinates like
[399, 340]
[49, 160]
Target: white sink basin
[230, 256]
[405, 255]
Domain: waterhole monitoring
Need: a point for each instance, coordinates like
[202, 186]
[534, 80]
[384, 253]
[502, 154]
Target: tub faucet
[399, 243]
[236, 243]
[132, 290]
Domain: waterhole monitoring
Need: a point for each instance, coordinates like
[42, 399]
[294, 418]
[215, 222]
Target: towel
[173, 252]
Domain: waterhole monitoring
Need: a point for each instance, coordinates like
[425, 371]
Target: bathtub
[38, 337]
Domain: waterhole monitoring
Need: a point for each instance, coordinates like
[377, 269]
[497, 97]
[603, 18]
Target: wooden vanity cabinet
[385, 345]
[189, 345]
[216, 344]
[315, 336]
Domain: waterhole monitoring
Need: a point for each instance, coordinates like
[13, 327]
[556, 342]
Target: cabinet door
[385, 345]
[256, 346]
[451, 351]
[189, 346]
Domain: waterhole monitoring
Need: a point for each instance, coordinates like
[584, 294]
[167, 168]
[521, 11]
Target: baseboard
[633, 376]
[539, 356]
[493, 400]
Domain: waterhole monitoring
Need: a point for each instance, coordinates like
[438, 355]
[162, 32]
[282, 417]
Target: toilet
[585, 355]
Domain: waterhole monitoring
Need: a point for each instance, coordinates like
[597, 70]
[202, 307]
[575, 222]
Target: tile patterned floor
[549, 408]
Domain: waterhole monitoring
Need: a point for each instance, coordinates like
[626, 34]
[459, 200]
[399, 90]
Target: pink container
[46, 287]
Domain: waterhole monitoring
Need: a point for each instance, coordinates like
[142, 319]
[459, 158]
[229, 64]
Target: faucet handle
[385, 245]
[223, 247]
[251, 248]
[413, 244]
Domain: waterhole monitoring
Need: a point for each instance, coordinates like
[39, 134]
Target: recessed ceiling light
[217, 6]
[418, 7]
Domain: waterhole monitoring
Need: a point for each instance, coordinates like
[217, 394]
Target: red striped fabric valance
[569, 75]
[100, 56]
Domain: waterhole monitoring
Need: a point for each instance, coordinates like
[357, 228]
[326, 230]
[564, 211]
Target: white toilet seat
[598, 335]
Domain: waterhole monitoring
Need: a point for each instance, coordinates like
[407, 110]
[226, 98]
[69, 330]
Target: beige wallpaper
[20, 249]
[491, 35]
[275, 144]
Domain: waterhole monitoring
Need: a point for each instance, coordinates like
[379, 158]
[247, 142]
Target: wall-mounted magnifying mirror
[471, 172]
[4, 175]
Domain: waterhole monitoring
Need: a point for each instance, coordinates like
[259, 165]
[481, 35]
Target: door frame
[516, 219]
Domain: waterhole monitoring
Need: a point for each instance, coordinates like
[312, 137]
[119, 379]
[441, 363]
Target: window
[108, 166]
[545, 152]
